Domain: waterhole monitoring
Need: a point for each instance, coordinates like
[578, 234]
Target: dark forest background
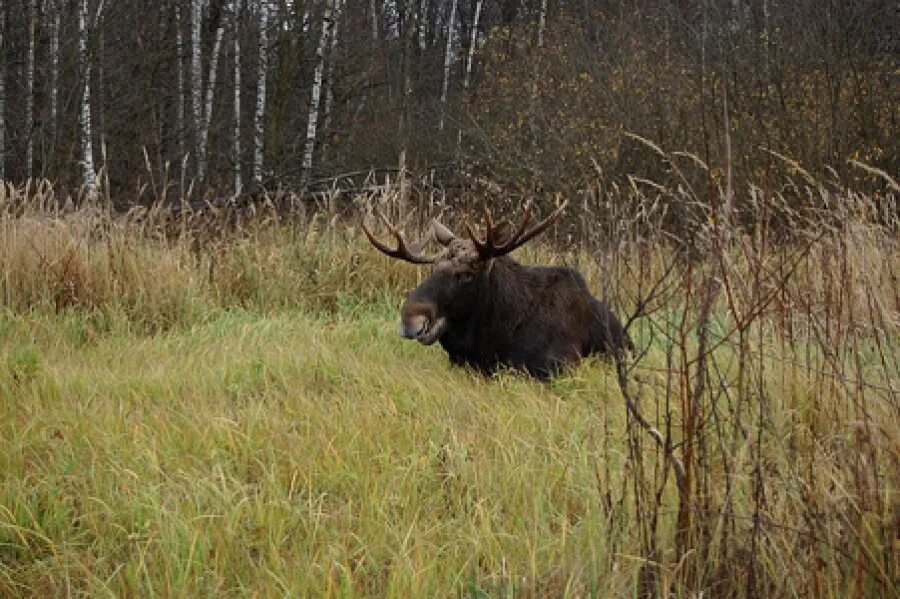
[542, 96]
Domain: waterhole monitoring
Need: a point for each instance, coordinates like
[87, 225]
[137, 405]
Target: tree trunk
[196, 83]
[472, 40]
[2, 92]
[467, 77]
[237, 98]
[54, 72]
[406, 46]
[422, 24]
[179, 55]
[448, 62]
[542, 21]
[87, 150]
[329, 77]
[313, 118]
[262, 66]
[29, 89]
[208, 104]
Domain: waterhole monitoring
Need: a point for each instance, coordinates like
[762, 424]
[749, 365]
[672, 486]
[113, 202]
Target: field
[186, 414]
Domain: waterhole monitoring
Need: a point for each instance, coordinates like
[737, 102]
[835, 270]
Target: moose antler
[410, 252]
[492, 247]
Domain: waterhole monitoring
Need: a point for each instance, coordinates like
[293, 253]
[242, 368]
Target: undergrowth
[214, 408]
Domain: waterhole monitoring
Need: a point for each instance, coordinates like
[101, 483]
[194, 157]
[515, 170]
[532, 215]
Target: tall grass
[194, 406]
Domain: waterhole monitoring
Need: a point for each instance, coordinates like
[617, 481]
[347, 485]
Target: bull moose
[488, 310]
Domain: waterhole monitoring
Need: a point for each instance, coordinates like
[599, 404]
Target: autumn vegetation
[199, 405]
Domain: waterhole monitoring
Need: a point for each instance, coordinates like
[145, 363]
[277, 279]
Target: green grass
[295, 454]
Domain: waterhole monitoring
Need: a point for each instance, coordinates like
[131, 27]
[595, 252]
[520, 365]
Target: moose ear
[442, 234]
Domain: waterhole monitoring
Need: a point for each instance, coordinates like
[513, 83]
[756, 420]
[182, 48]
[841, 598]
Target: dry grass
[208, 412]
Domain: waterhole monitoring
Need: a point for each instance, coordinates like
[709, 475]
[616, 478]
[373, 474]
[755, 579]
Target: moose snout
[413, 326]
[420, 321]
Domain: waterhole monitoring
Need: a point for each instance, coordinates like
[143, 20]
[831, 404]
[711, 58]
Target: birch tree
[542, 22]
[470, 58]
[210, 93]
[179, 68]
[29, 89]
[87, 151]
[196, 80]
[202, 106]
[473, 39]
[237, 98]
[54, 69]
[2, 91]
[331, 8]
[406, 47]
[329, 76]
[262, 66]
[448, 61]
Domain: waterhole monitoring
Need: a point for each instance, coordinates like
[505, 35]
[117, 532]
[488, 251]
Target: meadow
[206, 410]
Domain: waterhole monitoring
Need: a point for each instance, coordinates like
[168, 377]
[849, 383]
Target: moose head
[488, 310]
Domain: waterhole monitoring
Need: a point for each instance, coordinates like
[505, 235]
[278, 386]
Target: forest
[531, 97]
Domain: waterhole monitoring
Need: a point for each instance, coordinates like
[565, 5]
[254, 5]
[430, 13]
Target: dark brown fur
[533, 318]
[489, 311]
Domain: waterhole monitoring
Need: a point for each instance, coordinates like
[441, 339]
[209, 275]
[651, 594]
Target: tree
[179, 75]
[448, 61]
[89, 179]
[2, 90]
[196, 80]
[205, 115]
[237, 98]
[259, 113]
[332, 11]
[29, 88]
[54, 71]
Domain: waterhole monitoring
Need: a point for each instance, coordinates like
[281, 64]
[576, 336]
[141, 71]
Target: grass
[234, 415]
[292, 454]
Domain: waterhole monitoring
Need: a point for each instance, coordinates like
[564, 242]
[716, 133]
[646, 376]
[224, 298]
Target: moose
[488, 311]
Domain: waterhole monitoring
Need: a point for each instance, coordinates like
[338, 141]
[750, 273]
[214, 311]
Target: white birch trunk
[767, 42]
[448, 62]
[2, 93]
[542, 21]
[329, 88]
[237, 97]
[262, 66]
[405, 117]
[313, 118]
[29, 89]
[472, 41]
[54, 71]
[422, 19]
[196, 81]
[206, 115]
[470, 58]
[374, 9]
[87, 151]
[179, 55]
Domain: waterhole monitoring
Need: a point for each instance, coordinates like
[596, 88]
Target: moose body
[489, 311]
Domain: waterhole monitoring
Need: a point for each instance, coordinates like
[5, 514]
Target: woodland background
[527, 96]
